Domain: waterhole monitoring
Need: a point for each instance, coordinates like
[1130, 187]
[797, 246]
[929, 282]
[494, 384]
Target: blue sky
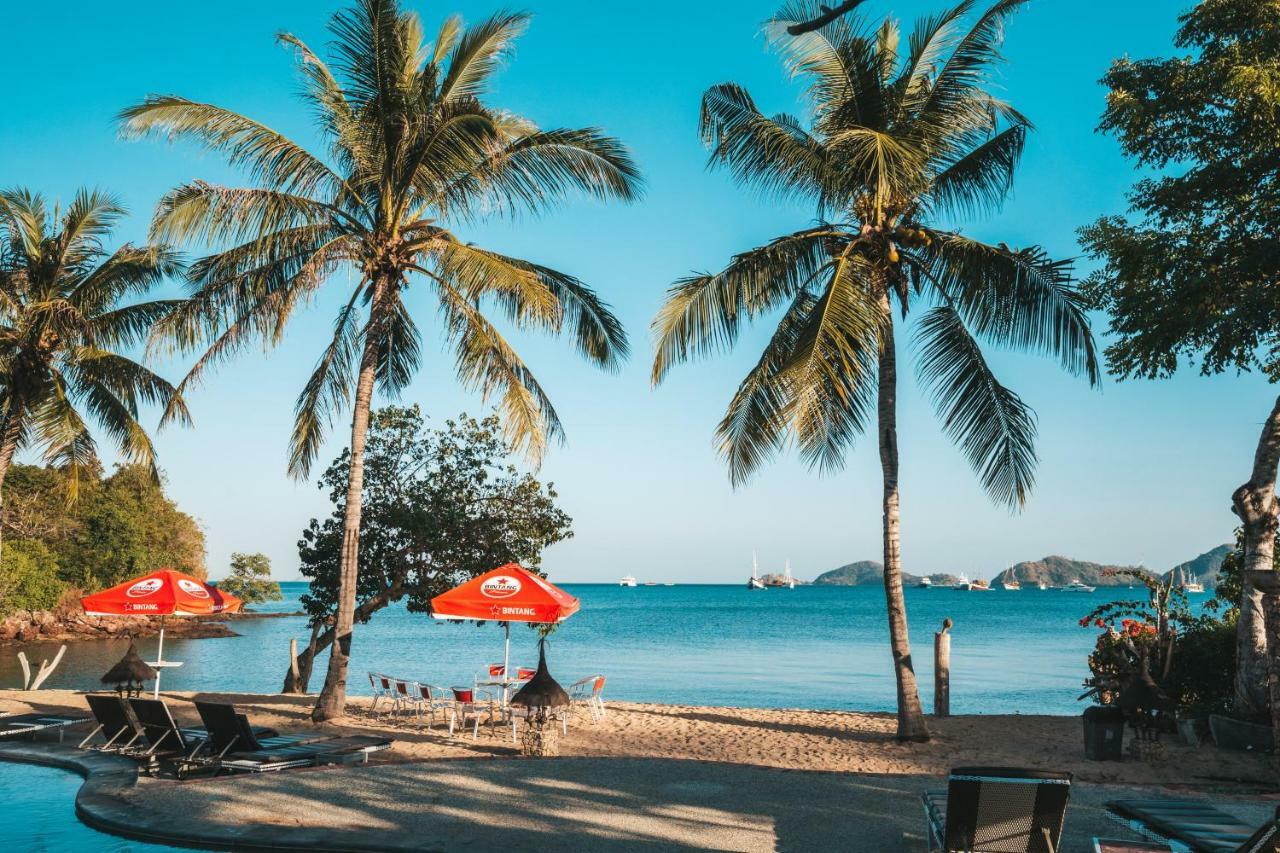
[1139, 471]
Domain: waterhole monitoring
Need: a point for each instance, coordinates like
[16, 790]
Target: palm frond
[327, 391]
[994, 428]
[479, 53]
[703, 314]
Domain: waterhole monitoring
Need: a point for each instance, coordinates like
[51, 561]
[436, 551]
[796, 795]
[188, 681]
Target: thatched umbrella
[541, 696]
[129, 674]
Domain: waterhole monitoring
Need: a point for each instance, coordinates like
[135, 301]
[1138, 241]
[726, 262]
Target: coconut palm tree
[411, 150]
[899, 139]
[64, 318]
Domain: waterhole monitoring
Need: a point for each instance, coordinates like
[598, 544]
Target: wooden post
[942, 670]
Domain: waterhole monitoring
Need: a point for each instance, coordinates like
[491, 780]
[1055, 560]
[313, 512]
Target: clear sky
[1139, 471]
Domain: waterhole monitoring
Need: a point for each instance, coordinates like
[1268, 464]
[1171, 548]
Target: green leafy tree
[121, 526]
[412, 149]
[250, 579]
[899, 137]
[440, 506]
[29, 577]
[1190, 272]
[66, 316]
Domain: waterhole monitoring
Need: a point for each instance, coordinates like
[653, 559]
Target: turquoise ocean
[811, 647]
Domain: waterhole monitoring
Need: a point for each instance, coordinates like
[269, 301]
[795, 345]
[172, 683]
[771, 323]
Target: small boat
[627, 580]
[962, 583]
[979, 586]
[1077, 586]
[650, 583]
[924, 583]
[1042, 586]
[1011, 586]
[754, 581]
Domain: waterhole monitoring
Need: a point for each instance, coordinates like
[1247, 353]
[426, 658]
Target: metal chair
[472, 702]
[433, 700]
[407, 698]
[589, 693]
[381, 690]
[998, 810]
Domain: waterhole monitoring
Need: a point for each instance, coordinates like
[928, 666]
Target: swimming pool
[40, 814]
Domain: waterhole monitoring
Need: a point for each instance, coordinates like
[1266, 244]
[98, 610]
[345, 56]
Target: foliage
[1190, 657]
[66, 315]
[1191, 270]
[898, 138]
[440, 506]
[250, 579]
[1138, 636]
[411, 149]
[1230, 586]
[123, 525]
[29, 577]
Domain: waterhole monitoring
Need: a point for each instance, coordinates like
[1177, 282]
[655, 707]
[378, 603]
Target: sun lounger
[233, 744]
[998, 808]
[115, 723]
[166, 740]
[1198, 827]
[334, 750]
[230, 730]
[21, 725]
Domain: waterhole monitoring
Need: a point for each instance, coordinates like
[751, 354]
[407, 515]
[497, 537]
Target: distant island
[1052, 571]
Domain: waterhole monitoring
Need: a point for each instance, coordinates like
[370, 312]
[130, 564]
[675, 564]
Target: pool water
[40, 814]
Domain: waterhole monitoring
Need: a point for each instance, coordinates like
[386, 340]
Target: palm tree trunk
[10, 431]
[1255, 504]
[911, 724]
[333, 698]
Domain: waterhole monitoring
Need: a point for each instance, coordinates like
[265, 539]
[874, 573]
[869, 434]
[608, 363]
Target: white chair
[381, 685]
[433, 700]
[471, 702]
[589, 693]
[407, 698]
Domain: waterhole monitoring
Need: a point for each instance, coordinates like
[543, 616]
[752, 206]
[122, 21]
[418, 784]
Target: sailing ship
[1011, 586]
[754, 582]
[1193, 585]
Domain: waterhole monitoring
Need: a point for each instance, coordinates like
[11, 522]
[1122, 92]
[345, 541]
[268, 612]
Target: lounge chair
[234, 745]
[20, 725]
[998, 809]
[115, 723]
[229, 730]
[434, 700]
[1199, 827]
[334, 750]
[184, 748]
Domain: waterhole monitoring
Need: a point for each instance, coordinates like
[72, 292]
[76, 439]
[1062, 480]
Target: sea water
[810, 647]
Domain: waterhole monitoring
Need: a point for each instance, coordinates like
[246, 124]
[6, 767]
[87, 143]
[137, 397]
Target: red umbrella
[162, 593]
[507, 594]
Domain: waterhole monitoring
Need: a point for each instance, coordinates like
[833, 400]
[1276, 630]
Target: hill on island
[1053, 570]
[866, 572]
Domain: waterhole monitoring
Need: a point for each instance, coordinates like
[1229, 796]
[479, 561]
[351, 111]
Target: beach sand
[841, 741]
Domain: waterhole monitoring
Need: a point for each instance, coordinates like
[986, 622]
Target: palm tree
[898, 140]
[62, 327]
[410, 146]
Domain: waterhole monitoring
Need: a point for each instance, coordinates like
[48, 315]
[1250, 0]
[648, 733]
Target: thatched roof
[542, 691]
[131, 668]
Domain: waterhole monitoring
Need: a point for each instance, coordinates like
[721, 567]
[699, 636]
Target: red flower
[1100, 623]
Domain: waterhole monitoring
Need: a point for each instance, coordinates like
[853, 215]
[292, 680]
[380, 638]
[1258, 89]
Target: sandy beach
[838, 741]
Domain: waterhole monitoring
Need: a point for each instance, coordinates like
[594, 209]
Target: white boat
[1077, 586]
[754, 582]
[1042, 586]
[924, 583]
[979, 586]
[627, 580]
[962, 583]
[1011, 586]
[1192, 585]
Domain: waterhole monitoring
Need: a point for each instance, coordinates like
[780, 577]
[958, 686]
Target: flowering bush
[1137, 639]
